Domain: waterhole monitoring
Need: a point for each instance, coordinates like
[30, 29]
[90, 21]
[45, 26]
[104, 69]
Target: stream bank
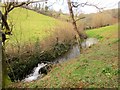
[72, 53]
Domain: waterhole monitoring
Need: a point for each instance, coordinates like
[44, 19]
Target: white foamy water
[35, 74]
[89, 42]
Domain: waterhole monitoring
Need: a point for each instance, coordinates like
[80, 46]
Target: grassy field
[103, 33]
[96, 67]
[29, 25]
[30, 28]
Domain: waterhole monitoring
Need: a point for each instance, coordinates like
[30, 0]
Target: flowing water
[75, 50]
[89, 42]
[35, 73]
[72, 53]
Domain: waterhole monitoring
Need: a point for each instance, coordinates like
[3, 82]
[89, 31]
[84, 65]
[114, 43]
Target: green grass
[103, 32]
[29, 25]
[96, 67]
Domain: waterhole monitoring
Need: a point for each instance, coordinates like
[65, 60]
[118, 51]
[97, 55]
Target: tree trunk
[5, 79]
[74, 22]
[72, 17]
[4, 21]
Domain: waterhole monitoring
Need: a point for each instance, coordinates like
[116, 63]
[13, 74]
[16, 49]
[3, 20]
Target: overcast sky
[107, 4]
[62, 4]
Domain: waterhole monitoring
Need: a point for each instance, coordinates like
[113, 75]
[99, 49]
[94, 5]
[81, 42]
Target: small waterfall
[72, 53]
[35, 73]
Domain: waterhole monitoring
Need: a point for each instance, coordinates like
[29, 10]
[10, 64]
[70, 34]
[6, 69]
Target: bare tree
[72, 16]
[74, 23]
[72, 5]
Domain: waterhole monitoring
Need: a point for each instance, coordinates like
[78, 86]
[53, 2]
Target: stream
[35, 74]
[72, 53]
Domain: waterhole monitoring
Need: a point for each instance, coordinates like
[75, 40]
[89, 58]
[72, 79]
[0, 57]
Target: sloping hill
[34, 37]
[31, 27]
[28, 25]
[96, 67]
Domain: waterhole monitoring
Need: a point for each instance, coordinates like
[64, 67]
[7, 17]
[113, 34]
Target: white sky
[108, 4]
[62, 4]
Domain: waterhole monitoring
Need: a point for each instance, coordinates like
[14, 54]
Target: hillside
[31, 24]
[95, 67]
[35, 38]
[30, 27]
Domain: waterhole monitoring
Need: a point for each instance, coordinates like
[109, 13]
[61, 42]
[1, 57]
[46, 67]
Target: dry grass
[62, 33]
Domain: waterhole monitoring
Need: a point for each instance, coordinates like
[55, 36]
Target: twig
[86, 4]
[79, 19]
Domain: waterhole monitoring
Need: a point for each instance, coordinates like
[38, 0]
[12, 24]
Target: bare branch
[79, 19]
[9, 6]
[16, 4]
[75, 5]
[52, 4]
